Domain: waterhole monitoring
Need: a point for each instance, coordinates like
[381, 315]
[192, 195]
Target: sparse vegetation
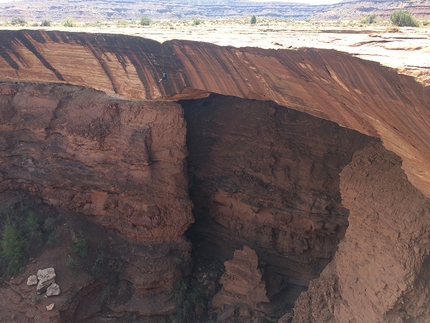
[69, 22]
[35, 299]
[145, 21]
[14, 248]
[370, 19]
[123, 23]
[403, 18]
[100, 262]
[15, 21]
[33, 226]
[188, 300]
[22, 230]
[80, 245]
[46, 23]
[196, 21]
[70, 262]
[253, 20]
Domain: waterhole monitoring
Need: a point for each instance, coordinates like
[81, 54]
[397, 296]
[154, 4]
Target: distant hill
[355, 9]
[94, 10]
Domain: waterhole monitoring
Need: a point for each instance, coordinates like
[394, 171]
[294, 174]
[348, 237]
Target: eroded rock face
[122, 162]
[122, 165]
[357, 94]
[268, 177]
[382, 278]
[263, 175]
[242, 282]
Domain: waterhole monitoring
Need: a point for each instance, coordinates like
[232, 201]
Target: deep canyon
[284, 185]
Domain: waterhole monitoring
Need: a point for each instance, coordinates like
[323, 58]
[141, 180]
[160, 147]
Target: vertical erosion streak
[103, 66]
[27, 43]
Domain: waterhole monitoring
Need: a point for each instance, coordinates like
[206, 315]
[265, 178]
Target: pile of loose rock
[45, 281]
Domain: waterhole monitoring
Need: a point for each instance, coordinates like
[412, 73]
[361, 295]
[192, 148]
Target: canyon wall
[382, 263]
[357, 94]
[122, 164]
[263, 173]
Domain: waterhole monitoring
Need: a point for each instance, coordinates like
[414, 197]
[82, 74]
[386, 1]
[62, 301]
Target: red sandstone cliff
[77, 143]
[356, 94]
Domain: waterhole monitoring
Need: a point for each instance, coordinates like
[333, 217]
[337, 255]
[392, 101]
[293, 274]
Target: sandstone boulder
[53, 290]
[32, 280]
[50, 307]
[46, 277]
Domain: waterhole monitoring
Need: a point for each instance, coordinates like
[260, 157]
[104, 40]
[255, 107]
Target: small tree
[14, 248]
[253, 20]
[403, 18]
[45, 23]
[18, 21]
[69, 22]
[145, 21]
[370, 19]
[196, 21]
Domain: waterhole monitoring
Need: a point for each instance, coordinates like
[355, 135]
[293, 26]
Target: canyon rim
[276, 184]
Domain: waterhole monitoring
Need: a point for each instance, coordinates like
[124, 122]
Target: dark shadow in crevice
[267, 177]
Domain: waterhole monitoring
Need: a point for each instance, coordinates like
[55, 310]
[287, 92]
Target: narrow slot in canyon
[265, 177]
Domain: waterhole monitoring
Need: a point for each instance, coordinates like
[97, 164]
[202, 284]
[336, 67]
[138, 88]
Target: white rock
[46, 277]
[32, 280]
[50, 307]
[53, 290]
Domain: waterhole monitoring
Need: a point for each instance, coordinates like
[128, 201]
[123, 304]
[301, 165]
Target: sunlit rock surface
[120, 158]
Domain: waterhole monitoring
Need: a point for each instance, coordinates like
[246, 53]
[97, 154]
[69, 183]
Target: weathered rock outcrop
[268, 176]
[356, 94]
[242, 282]
[122, 162]
[382, 263]
[119, 162]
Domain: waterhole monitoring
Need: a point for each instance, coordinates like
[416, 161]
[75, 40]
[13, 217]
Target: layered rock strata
[381, 266]
[120, 163]
[63, 144]
[242, 282]
[356, 94]
[268, 177]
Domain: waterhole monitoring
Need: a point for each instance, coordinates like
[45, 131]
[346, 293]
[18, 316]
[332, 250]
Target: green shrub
[80, 245]
[14, 248]
[144, 21]
[403, 18]
[100, 262]
[18, 21]
[187, 299]
[46, 23]
[370, 19]
[123, 23]
[196, 21]
[35, 299]
[253, 20]
[22, 231]
[33, 228]
[70, 262]
[69, 22]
